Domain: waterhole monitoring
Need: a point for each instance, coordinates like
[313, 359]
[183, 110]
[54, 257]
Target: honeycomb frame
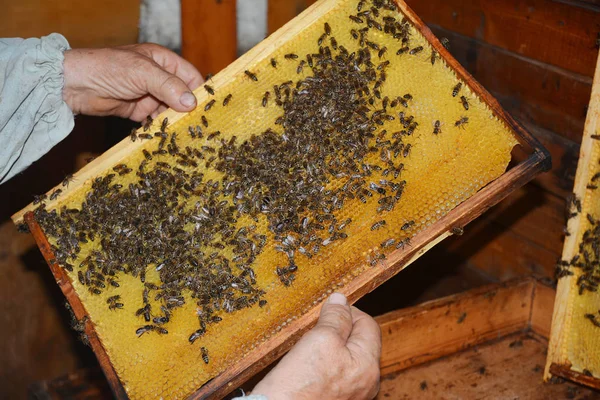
[574, 347]
[536, 161]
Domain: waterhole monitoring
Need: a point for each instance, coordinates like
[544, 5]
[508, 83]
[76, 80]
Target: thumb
[336, 317]
[169, 89]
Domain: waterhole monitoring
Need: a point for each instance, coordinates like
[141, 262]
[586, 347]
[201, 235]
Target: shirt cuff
[33, 114]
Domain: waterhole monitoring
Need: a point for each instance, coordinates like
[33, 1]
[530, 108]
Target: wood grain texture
[540, 320]
[279, 12]
[208, 34]
[558, 33]
[532, 92]
[99, 23]
[448, 325]
[510, 368]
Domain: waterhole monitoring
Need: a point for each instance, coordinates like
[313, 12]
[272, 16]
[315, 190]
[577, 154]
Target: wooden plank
[530, 213]
[279, 12]
[98, 23]
[442, 327]
[85, 384]
[501, 253]
[553, 32]
[208, 34]
[565, 153]
[510, 368]
[531, 91]
[567, 286]
[541, 309]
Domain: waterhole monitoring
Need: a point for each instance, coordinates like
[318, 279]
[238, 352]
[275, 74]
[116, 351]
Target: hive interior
[581, 343]
[441, 170]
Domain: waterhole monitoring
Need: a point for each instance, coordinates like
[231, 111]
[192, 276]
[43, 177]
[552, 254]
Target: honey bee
[273, 63]
[145, 136]
[456, 89]
[446, 43]
[227, 99]
[334, 43]
[457, 230]
[67, 180]
[327, 29]
[147, 154]
[133, 135]
[213, 135]
[402, 50]
[434, 56]
[360, 5]
[197, 334]
[321, 39]
[262, 303]
[147, 123]
[55, 194]
[251, 75]
[436, 127]
[301, 66]
[403, 243]
[382, 52]
[209, 89]
[356, 19]
[204, 121]
[354, 34]
[465, 102]
[378, 225]
[461, 122]
[291, 56]
[204, 353]
[265, 99]
[416, 50]
[387, 243]
[372, 45]
[209, 105]
[407, 225]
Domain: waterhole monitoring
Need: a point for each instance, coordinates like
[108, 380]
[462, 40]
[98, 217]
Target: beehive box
[221, 249]
[574, 350]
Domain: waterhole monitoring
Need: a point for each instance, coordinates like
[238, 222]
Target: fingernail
[337, 298]
[187, 99]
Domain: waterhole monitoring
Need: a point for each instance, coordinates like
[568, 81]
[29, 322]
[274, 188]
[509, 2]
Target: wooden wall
[36, 341]
[537, 57]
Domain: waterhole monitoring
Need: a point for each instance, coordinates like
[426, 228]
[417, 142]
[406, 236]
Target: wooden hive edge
[77, 306]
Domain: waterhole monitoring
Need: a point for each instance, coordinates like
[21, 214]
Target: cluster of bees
[338, 140]
[587, 259]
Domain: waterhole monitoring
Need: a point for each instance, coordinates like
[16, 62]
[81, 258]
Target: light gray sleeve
[33, 115]
[251, 397]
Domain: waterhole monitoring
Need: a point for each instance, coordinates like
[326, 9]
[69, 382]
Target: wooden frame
[536, 160]
[558, 362]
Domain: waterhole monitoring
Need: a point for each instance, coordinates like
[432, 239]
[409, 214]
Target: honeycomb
[441, 170]
[581, 327]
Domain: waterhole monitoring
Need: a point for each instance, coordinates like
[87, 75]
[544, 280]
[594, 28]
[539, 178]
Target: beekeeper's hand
[130, 81]
[337, 359]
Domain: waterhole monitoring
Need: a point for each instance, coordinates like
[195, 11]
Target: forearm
[33, 114]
